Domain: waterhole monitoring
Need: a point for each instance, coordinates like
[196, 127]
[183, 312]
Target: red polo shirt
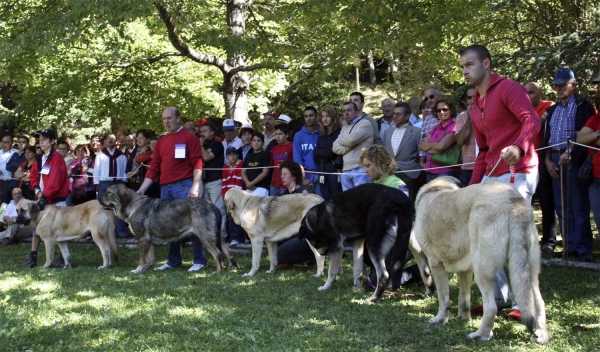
[504, 117]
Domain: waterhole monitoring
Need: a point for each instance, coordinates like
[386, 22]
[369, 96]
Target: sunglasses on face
[442, 110]
[559, 86]
[430, 97]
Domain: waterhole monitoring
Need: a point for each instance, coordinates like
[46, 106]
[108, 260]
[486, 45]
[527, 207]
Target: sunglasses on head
[442, 110]
[430, 97]
[373, 149]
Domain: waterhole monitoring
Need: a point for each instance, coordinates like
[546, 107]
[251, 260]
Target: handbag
[450, 157]
[586, 176]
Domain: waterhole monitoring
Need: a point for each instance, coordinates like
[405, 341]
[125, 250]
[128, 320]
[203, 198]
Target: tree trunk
[394, 62]
[235, 95]
[236, 86]
[372, 77]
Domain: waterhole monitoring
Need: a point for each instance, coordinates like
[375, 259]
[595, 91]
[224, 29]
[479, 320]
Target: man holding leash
[50, 182]
[505, 126]
[177, 158]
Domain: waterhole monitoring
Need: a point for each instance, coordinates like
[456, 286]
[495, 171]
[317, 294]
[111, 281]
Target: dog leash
[511, 168]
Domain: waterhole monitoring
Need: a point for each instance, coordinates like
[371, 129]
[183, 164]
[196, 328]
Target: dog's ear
[34, 210]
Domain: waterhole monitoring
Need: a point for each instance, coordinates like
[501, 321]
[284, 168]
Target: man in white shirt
[109, 169]
[5, 175]
[387, 119]
[13, 231]
[231, 138]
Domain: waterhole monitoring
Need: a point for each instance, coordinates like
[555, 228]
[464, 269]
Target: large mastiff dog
[377, 216]
[156, 221]
[270, 219]
[61, 224]
[480, 229]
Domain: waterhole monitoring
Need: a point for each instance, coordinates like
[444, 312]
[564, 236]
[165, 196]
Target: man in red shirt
[50, 182]
[505, 126]
[177, 158]
[544, 192]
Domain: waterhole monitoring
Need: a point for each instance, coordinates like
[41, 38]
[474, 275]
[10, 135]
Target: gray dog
[156, 221]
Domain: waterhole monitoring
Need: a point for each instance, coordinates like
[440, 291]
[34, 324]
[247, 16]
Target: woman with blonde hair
[380, 166]
[327, 161]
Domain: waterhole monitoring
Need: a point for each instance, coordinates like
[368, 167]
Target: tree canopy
[85, 64]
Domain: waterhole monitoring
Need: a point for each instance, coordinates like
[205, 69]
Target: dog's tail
[524, 267]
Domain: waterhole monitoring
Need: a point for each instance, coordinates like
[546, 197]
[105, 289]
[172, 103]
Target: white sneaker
[165, 266]
[234, 242]
[195, 267]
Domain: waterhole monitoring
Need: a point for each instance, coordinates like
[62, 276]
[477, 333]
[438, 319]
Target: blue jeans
[354, 177]
[120, 224]
[179, 190]
[330, 187]
[576, 209]
[464, 176]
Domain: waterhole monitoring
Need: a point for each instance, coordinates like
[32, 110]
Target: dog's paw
[373, 299]
[137, 270]
[318, 275]
[438, 320]
[324, 287]
[270, 271]
[541, 337]
[250, 274]
[102, 267]
[481, 337]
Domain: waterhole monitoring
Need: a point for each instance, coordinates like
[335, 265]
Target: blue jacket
[304, 144]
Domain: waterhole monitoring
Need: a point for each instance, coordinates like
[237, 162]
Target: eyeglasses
[398, 114]
[430, 97]
[442, 110]
[470, 97]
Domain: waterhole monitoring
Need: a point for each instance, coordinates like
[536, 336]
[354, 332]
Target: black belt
[56, 200]
[4, 181]
[559, 151]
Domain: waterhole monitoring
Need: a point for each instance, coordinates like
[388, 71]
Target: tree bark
[372, 77]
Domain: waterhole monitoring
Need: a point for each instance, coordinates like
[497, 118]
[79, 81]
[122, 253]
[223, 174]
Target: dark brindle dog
[156, 221]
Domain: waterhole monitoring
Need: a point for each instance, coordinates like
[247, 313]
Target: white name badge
[179, 151]
[45, 170]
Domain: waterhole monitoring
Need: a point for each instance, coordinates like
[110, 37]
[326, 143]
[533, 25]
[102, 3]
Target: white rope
[349, 173]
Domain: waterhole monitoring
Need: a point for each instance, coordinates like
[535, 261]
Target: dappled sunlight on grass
[156, 311]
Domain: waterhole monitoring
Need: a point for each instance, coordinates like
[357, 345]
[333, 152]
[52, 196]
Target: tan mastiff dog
[270, 219]
[57, 225]
[478, 230]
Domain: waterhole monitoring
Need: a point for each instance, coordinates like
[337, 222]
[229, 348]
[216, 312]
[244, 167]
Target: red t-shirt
[172, 167]
[279, 154]
[594, 123]
[540, 110]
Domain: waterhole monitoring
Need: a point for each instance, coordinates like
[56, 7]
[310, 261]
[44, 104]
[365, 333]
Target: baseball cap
[230, 150]
[284, 118]
[272, 113]
[563, 75]
[247, 126]
[597, 80]
[45, 133]
[228, 124]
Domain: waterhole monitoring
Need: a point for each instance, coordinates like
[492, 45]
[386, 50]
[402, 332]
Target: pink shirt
[504, 117]
[436, 135]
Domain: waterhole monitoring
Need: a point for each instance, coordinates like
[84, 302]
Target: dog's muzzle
[22, 221]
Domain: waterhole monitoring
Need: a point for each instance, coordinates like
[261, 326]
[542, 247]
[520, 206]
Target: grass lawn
[86, 309]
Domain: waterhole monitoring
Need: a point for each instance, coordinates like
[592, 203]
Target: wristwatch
[568, 150]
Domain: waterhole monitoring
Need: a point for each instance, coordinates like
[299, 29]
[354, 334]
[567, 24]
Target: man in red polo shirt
[177, 158]
[505, 126]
